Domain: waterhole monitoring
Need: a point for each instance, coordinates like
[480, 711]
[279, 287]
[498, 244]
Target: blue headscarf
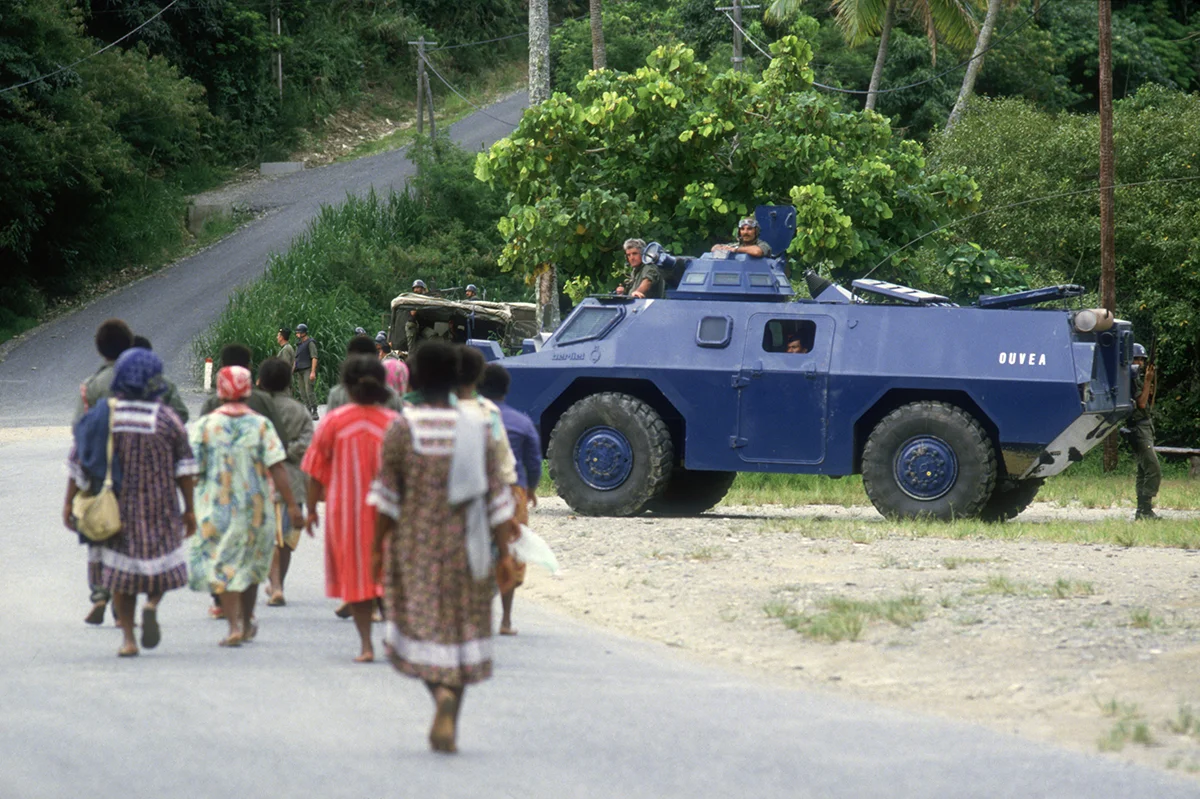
[137, 375]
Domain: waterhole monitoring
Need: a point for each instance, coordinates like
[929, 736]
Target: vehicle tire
[610, 454]
[691, 493]
[1010, 498]
[931, 460]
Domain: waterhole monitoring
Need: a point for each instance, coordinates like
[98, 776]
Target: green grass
[1130, 726]
[844, 619]
[1144, 619]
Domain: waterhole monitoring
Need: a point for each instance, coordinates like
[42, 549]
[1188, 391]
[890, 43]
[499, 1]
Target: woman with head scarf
[151, 463]
[341, 463]
[442, 503]
[239, 453]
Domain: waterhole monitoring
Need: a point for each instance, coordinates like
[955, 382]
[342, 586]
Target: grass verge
[843, 619]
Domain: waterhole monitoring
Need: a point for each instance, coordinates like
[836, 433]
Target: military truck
[507, 323]
[945, 410]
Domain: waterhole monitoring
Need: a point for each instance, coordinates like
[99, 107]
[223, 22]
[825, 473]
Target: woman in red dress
[341, 463]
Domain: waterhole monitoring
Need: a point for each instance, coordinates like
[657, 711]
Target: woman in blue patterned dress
[238, 453]
[152, 464]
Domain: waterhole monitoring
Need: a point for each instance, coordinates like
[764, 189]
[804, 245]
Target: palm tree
[599, 57]
[981, 46]
[859, 20]
[539, 51]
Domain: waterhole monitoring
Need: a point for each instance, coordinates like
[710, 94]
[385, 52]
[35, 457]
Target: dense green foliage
[357, 256]
[1017, 153]
[675, 153]
[97, 159]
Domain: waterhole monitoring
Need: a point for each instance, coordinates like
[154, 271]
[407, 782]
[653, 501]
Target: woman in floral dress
[341, 463]
[153, 462]
[438, 585]
[239, 454]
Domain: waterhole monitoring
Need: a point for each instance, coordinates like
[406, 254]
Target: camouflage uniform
[1141, 441]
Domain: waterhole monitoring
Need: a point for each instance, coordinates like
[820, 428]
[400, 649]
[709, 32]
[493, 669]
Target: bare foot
[368, 656]
[127, 651]
[250, 633]
[277, 600]
[233, 639]
[441, 735]
[507, 629]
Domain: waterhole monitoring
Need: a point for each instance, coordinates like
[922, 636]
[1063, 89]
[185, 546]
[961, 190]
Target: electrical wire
[1114, 187]
[433, 69]
[999, 40]
[504, 38]
[93, 55]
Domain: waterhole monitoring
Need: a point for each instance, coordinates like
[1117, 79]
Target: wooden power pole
[424, 92]
[1108, 255]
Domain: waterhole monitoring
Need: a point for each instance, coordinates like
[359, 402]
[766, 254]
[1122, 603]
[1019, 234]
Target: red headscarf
[234, 383]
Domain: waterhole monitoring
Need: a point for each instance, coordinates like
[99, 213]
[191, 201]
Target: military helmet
[1139, 351]
[358, 331]
[418, 284]
[748, 221]
[471, 287]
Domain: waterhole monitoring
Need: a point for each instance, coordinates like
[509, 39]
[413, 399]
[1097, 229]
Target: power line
[954, 68]
[1020, 203]
[433, 69]
[93, 55]
[504, 38]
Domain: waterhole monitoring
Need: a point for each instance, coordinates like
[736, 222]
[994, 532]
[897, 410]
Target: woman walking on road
[341, 463]
[236, 450]
[151, 461]
[442, 504]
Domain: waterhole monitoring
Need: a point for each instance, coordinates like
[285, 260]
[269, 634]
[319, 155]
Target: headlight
[1093, 320]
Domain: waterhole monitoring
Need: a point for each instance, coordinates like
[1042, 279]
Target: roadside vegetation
[105, 147]
[355, 257]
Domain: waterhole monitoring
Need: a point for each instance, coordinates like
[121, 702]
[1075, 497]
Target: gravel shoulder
[1090, 647]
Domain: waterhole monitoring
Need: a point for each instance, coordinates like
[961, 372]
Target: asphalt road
[572, 711]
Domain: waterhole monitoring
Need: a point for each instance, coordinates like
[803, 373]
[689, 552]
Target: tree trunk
[539, 51]
[1108, 175]
[885, 33]
[599, 57]
[981, 46]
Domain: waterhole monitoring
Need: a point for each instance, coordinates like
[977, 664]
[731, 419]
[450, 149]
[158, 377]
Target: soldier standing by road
[645, 280]
[1141, 435]
[287, 353]
[411, 328]
[306, 362]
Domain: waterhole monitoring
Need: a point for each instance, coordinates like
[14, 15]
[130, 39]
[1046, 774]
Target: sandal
[250, 632]
[277, 600]
[442, 734]
[233, 640]
[127, 653]
[343, 611]
[96, 614]
[151, 634]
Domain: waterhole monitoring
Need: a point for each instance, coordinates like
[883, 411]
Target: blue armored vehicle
[946, 411]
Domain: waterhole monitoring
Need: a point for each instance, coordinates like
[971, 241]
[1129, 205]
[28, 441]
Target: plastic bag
[532, 548]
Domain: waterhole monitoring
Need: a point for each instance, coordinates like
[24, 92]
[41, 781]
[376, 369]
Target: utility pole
[737, 8]
[276, 24]
[424, 92]
[1108, 256]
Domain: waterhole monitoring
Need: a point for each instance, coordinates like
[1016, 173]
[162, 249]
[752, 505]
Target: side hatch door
[782, 394]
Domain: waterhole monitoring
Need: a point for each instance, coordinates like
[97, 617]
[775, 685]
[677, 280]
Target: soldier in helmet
[471, 293]
[412, 328]
[748, 241]
[1141, 435]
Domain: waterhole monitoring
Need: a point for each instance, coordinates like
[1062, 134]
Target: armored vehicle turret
[946, 410]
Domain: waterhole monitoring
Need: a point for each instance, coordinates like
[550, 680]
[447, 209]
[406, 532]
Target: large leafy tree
[675, 153]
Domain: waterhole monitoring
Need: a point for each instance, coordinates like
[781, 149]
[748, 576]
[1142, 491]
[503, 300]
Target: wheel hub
[926, 467]
[603, 458]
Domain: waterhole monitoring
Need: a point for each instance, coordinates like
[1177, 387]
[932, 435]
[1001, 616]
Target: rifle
[1145, 400]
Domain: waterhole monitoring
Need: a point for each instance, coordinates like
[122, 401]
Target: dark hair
[143, 342]
[470, 366]
[112, 338]
[236, 355]
[365, 380]
[495, 382]
[434, 368]
[274, 375]
[286, 332]
[361, 345]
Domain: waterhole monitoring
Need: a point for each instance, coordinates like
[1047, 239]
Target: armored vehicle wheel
[690, 493]
[929, 459]
[610, 454]
[1010, 498]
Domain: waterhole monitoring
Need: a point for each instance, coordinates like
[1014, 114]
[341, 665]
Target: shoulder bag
[97, 516]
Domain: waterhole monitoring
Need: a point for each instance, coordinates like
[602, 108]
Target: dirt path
[1091, 647]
